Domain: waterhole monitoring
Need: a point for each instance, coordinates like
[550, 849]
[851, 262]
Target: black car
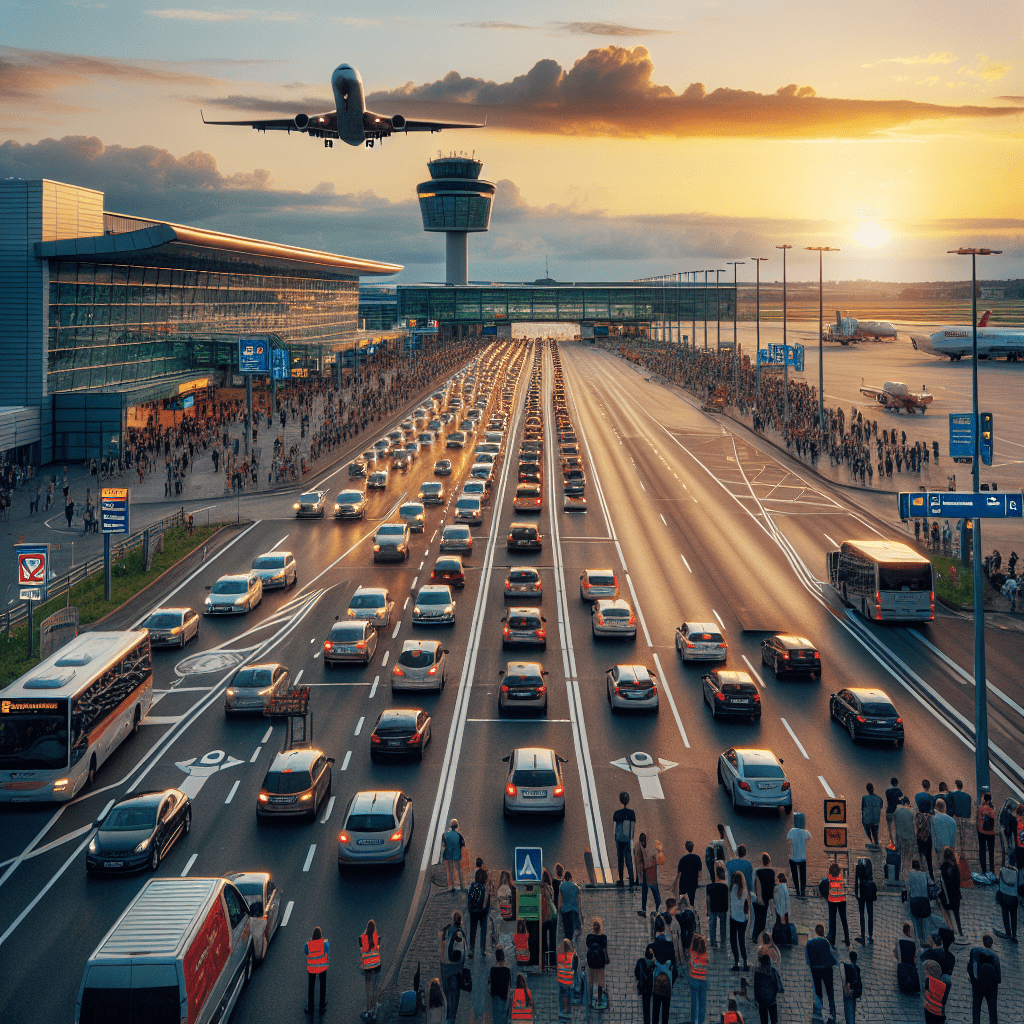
[791, 654]
[400, 732]
[730, 693]
[867, 714]
[356, 468]
[138, 831]
[524, 537]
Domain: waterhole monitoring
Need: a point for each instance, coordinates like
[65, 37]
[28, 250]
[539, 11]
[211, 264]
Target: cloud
[239, 14]
[933, 58]
[603, 28]
[1011, 99]
[990, 70]
[497, 25]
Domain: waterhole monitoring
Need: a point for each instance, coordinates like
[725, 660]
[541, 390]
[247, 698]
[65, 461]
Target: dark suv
[524, 537]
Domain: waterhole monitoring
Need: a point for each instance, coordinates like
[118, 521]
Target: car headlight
[209, 601]
[94, 847]
[279, 575]
[337, 507]
[241, 600]
[416, 610]
[449, 609]
[351, 613]
[229, 692]
[296, 506]
[144, 845]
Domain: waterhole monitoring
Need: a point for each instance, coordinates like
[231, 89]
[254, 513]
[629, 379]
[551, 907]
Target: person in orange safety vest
[317, 950]
[936, 992]
[521, 939]
[369, 960]
[836, 904]
[522, 1001]
[567, 962]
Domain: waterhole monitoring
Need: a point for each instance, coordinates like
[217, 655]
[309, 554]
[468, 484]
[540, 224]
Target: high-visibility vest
[370, 954]
[522, 944]
[934, 990]
[835, 889]
[505, 903]
[698, 966]
[565, 971]
[316, 956]
[730, 1017]
[521, 1009]
[986, 819]
[1020, 833]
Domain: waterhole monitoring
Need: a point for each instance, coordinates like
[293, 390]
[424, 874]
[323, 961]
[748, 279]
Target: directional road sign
[529, 863]
[31, 593]
[835, 811]
[961, 435]
[114, 505]
[961, 505]
[32, 559]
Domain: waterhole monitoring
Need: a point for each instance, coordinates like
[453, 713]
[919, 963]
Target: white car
[266, 906]
[350, 504]
[631, 688]
[371, 604]
[701, 641]
[434, 606]
[235, 595]
[276, 569]
[534, 782]
[754, 778]
[612, 618]
[420, 666]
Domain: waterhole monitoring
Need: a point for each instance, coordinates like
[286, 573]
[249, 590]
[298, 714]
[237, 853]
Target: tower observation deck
[456, 201]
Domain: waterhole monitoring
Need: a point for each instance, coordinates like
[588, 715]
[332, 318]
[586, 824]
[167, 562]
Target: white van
[182, 950]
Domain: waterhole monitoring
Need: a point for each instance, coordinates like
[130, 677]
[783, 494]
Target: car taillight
[861, 718]
[933, 600]
[540, 633]
[542, 689]
[504, 688]
[328, 646]
[264, 796]
[511, 789]
[508, 585]
[720, 696]
[374, 739]
[723, 645]
[899, 721]
[785, 786]
[414, 739]
[757, 698]
[785, 655]
[510, 536]
[559, 791]
[396, 837]
[745, 785]
[632, 619]
[361, 645]
[376, 547]
[432, 671]
[817, 656]
[396, 671]
[600, 619]
[690, 643]
[505, 631]
[342, 838]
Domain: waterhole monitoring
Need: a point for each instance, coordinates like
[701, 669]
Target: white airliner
[957, 342]
[350, 121]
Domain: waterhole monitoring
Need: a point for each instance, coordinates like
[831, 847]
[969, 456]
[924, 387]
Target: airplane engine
[302, 122]
[397, 122]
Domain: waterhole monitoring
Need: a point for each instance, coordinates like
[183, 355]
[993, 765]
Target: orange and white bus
[884, 580]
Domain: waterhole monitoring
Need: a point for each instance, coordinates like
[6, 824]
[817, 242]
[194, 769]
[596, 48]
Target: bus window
[913, 578]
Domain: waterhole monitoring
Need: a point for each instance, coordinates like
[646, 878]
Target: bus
[62, 719]
[884, 580]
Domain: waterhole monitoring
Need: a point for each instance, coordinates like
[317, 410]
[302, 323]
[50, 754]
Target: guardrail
[59, 585]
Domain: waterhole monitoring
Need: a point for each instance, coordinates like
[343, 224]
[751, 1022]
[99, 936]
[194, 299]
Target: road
[699, 523]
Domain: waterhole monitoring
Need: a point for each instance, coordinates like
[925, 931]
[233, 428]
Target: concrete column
[456, 257]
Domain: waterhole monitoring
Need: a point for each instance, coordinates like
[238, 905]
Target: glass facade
[461, 212]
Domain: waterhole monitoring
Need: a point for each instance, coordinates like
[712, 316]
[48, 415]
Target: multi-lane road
[697, 522]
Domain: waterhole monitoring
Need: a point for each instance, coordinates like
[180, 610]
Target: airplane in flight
[896, 395]
[350, 121]
[957, 342]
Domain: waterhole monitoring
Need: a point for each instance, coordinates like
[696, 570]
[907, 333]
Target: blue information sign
[960, 505]
[253, 355]
[281, 364]
[961, 435]
[778, 355]
[114, 509]
[529, 863]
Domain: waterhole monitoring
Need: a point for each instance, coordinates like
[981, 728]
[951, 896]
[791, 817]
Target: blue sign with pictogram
[253, 355]
[961, 505]
[780, 355]
[961, 435]
[32, 564]
[529, 863]
[280, 364]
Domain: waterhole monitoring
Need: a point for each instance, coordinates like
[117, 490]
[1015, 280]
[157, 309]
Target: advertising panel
[253, 355]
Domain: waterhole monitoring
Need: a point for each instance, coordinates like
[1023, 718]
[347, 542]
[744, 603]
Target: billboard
[114, 504]
[280, 364]
[253, 355]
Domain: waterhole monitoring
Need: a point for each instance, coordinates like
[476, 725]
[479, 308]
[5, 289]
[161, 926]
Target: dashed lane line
[327, 813]
[796, 739]
[344, 764]
[287, 913]
[825, 786]
[671, 701]
[232, 792]
[309, 857]
[188, 866]
[359, 725]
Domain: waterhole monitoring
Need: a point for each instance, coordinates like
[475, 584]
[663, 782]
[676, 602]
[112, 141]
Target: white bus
[62, 719]
[884, 580]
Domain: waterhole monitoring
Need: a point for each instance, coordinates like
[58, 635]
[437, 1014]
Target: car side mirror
[562, 760]
[336, 617]
[781, 761]
[542, 619]
[97, 823]
[446, 651]
[209, 588]
[330, 760]
[501, 673]
[504, 620]
[256, 909]
[506, 759]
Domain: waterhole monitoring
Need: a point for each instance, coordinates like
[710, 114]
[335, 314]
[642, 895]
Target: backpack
[624, 830]
[595, 955]
[765, 991]
[687, 926]
[986, 972]
[456, 944]
[855, 983]
[477, 897]
[987, 819]
[661, 984]
[907, 979]
[505, 902]
[644, 977]
[922, 827]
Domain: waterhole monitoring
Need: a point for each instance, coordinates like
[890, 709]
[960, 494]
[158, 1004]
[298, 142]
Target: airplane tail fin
[983, 322]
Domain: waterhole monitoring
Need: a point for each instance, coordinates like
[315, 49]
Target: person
[923, 838]
[521, 939]
[893, 798]
[938, 950]
[1008, 825]
[764, 890]
[437, 1005]
[567, 962]
[548, 920]
[69, 511]
[865, 891]
[987, 834]
[661, 988]
[740, 863]
[871, 815]
[664, 945]
[597, 957]
[821, 961]
[717, 903]
[781, 897]
[452, 942]
[369, 958]
[625, 826]
[317, 953]
[522, 1001]
[731, 1014]
[698, 979]
[943, 828]
[918, 900]
[923, 798]
[767, 988]
[569, 907]
[903, 820]
[688, 873]
[506, 896]
[452, 843]
[985, 974]
[798, 839]
[499, 984]
[478, 903]
[647, 868]
[837, 903]
[739, 914]
[905, 950]
[1006, 897]
[853, 988]
[1018, 850]
[949, 888]
[556, 882]
[936, 993]
[959, 805]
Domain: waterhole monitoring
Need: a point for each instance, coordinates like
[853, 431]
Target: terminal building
[103, 312]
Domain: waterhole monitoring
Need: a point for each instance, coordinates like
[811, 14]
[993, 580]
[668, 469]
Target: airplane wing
[436, 126]
[878, 394]
[325, 123]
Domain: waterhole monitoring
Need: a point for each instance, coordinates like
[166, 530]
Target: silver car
[266, 905]
[523, 581]
[350, 641]
[434, 606]
[469, 509]
[412, 513]
[598, 583]
[350, 504]
[391, 543]
[422, 665]
[701, 641]
[277, 569]
[457, 538]
[754, 778]
[172, 627]
[534, 782]
[377, 829]
[310, 505]
[234, 595]
[631, 688]
[613, 618]
[251, 688]
[371, 604]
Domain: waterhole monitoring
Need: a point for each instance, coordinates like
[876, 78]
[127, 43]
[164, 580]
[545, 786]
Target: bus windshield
[32, 739]
[912, 578]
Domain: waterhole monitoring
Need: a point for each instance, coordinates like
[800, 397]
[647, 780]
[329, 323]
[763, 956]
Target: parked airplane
[350, 121]
[957, 342]
[895, 395]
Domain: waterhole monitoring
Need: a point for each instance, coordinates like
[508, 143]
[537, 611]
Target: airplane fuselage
[955, 342]
[347, 85]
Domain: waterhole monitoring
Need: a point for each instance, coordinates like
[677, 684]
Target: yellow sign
[835, 811]
[835, 837]
[115, 493]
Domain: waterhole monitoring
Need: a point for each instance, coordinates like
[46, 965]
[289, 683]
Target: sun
[871, 235]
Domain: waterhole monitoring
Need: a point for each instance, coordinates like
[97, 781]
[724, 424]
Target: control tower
[456, 202]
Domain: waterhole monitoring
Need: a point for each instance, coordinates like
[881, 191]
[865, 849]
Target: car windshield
[534, 777]
[527, 491]
[410, 511]
[310, 498]
[269, 562]
[395, 725]
[229, 587]
[367, 601]
[431, 488]
[251, 677]
[370, 822]
[349, 496]
[416, 659]
[347, 632]
[456, 532]
[287, 781]
[523, 680]
[433, 597]
[880, 709]
[468, 503]
[130, 818]
[473, 487]
[523, 622]
[163, 620]
[738, 688]
[524, 533]
[763, 771]
[393, 530]
[914, 578]
[252, 891]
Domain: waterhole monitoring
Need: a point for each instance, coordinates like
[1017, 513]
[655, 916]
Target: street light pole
[758, 260]
[819, 249]
[718, 311]
[705, 273]
[982, 777]
[785, 368]
[693, 309]
[735, 344]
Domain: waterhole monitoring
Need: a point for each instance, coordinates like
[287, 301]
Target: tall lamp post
[693, 309]
[758, 260]
[819, 249]
[785, 367]
[735, 344]
[982, 778]
[705, 273]
[718, 310]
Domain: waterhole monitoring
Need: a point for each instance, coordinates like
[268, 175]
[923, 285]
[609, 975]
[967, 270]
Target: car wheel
[419, 753]
[899, 744]
[374, 759]
[787, 809]
[764, 660]
[248, 970]
[732, 796]
[775, 664]
[154, 858]
[188, 820]
[92, 771]
[137, 720]
[295, 579]
[851, 729]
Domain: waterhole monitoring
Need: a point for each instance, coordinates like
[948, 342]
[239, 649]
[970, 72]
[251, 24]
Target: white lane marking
[406, 605]
[312, 639]
[730, 837]
[719, 617]
[397, 628]
[384, 663]
[298, 677]
[188, 866]
[641, 483]
[414, 579]
[671, 701]
[834, 544]
[359, 725]
[426, 553]
[825, 786]
[640, 614]
[421, 566]
[309, 857]
[522, 721]
[182, 689]
[663, 519]
[287, 914]
[233, 791]
[685, 562]
[344, 764]
[754, 672]
[106, 810]
[161, 719]
[267, 734]
[796, 739]
[373, 689]
[622, 557]
[280, 542]
[316, 655]
[327, 813]
[255, 754]
[433, 535]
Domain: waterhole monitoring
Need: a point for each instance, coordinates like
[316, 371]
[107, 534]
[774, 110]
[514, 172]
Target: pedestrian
[478, 903]
[33, 505]
[923, 798]
[688, 873]
[739, 914]
[69, 511]
[437, 1005]
[740, 863]
[731, 1014]
[499, 987]
[923, 837]
[870, 815]
[987, 833]
[798, 839]
[646, 858]
[821, 961]
[522, 1001]
[567, 963]
[767, 989]
[943, 828]
[661, 988]
[698, 979]
[936, 993]
[1008, 825]
[369, 958]
[452, 951]
[717, 905]
[903, 822]
[764, 890]
[985, 974]
[865, 891]
[569, 907]
[1006, 897]
[781, 898]
[597, 959]
[893, 796]
[918, 900]
[506, 897]
[625, 826]
[836, 903]
[548, 920]
[853, 988]
[664, 945]
[521, 942]
[317, 950]
[452, 844]
[949, 888]
[1018, 850]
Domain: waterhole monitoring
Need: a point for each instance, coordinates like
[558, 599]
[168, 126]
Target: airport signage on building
[280, 364]
[115, 504]
[960, 505]
[253, 355]
[961, 435]
[779, 355]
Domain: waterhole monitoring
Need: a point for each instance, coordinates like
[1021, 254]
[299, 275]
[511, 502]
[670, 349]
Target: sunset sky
[626, 140]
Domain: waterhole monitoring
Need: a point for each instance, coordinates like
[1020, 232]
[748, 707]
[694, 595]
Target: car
[406, 425]
[434, 425]
[631, 688]
[701, 641]
[469, 509]
[612, 618]
[310, 505]
[411, 448]
[371, 455]
[412, 513]
[266, 906]
[378, 480]
[371, 604]
[138, 831]
[567, 449]
[481, 457]
[524, 627]
[394, 436]
[468, 426]
[754, 778]
[391, 543]
[477, 489]
[867, 714]
[791, 654]
[434, 606]
[432, 492]
[251, 688]
[277, 569]
[534, 783]
[456, 439]
[425, 438]
[456, 538]
[381, 444]
[400, 732]
[172, 627]
[574, 503]
[421, 665]
[350, 641]
[528, 498]
[529, 474]
[524, 537]
[449, 569]
[598, 583]
[523, 581]
[574, 482]
[529, 458]
[522, 687]
[234, 595]
[731, 693]
[376, 829]
[487, 448]
[297, 782]
[443, 467]
[356, 468]
[351, 504]
[482, 471]
[402, 460]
